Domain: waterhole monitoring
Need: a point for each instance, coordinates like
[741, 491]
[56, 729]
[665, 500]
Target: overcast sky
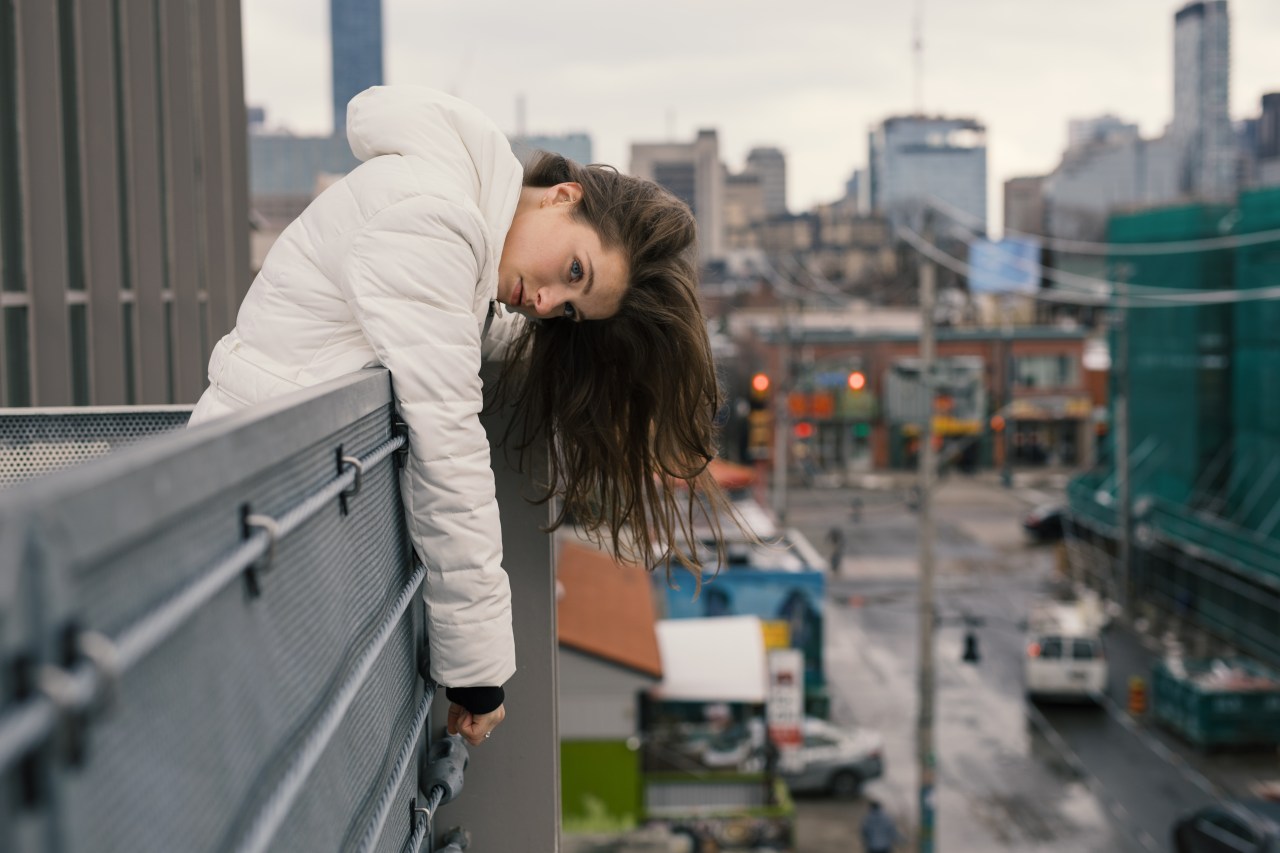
[807, 76]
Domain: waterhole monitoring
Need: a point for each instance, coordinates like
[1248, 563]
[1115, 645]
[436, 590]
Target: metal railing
[212, 639]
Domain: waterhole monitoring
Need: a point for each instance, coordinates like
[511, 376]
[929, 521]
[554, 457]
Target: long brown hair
[629, 401]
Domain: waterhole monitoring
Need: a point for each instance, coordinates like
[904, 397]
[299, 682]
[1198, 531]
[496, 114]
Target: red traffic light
[857, 380]
[760, 383]
[804, 430]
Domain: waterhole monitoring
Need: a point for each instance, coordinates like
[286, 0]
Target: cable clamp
[269, 525]
[59, 687]
[359, 466]
[249, 525]
[103, 654]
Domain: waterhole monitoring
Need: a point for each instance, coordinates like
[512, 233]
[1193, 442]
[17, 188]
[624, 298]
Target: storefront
[1050, 431]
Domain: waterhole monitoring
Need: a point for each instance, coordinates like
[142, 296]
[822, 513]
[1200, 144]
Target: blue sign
[1011, 265]
[792, 597]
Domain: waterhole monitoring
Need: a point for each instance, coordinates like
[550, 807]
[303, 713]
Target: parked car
[1065, 658]
[830, 760]
[1044, 523]
[1233, 826]
[833, 760]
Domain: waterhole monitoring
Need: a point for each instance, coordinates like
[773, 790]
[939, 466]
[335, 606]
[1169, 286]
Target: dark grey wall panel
[143, 173]
[40, 153]
[100, 183]
[213, 94]
[182, 157]
[237, 133]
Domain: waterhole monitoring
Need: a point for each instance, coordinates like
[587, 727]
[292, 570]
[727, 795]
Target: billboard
[790, 597]
[1011, 265]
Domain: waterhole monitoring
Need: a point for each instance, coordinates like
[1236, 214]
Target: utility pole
[1124, 486]
[782, 419]
[917, 57]
[928, 462]
[1006, 435]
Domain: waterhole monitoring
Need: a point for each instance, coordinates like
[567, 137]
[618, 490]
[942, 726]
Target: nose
[549, 301]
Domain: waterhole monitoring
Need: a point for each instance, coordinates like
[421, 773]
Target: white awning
[720, 659]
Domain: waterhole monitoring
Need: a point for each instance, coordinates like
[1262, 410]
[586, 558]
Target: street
[1011, 775]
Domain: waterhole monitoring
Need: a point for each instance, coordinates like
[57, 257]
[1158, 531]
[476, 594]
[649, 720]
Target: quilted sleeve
[410, 276]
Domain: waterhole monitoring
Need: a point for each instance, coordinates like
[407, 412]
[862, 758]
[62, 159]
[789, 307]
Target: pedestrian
[879, 834]
[440, 250]
[836, 536]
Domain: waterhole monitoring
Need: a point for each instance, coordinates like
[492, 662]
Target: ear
[566, 193]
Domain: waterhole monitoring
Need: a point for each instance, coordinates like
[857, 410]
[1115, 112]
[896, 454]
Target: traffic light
[760, 418]
[857, 380]
[759, 385]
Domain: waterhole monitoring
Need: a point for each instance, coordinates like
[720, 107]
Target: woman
[432, 255]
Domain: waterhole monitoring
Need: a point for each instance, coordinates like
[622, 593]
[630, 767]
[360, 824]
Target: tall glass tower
[356, 36]
[1201, 98]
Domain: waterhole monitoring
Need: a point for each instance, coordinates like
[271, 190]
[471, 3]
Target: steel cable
[281, 800]
[26, 726]
[369, 840]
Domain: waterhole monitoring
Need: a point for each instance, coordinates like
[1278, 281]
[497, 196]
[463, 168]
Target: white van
[1065, 658]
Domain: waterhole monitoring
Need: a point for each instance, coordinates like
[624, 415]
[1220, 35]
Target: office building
[694, 173]
[574, 146]
[119, 278]
[1201, 125]
[1024, 210]
[770, 166]
[743, 210]
[918, 158]
[356, 41]
[1269, 127]
[284, 170]
[1104, 129]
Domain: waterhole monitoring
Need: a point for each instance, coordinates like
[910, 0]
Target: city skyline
[813, 84]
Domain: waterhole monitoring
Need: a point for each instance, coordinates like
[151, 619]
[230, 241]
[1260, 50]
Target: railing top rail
[177, 470]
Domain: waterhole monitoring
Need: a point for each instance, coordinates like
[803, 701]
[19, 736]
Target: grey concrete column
[511, 799]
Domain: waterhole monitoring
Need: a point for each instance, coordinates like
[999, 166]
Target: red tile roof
[605, 609]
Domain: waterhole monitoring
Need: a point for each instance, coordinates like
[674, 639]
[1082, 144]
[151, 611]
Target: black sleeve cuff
[477, 700]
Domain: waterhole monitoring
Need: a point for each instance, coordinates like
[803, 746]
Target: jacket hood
[463, 146]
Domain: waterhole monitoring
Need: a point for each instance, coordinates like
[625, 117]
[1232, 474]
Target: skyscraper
[918, 158]
[1269, 127]
[356, 38]
[770, 166]
[1201, 126]
[692, 171]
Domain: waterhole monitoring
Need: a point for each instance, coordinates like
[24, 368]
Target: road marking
[1135, 834]
[1177, 762]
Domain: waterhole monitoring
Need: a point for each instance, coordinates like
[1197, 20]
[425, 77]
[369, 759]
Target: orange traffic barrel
[1137, 695]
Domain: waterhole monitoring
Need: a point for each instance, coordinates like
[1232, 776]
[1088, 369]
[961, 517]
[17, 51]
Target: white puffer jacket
[397, 265]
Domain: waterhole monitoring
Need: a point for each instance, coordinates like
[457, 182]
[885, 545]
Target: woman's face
[555, 266]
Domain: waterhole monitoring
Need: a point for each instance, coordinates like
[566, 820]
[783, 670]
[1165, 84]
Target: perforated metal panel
[35, 442]
[207, 728]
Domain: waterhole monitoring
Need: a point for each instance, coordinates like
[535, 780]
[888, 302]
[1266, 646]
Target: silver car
[832, 760]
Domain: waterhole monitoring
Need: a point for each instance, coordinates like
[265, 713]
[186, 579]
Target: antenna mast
[917, 56]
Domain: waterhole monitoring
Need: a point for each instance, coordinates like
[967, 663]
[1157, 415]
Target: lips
[517, 294]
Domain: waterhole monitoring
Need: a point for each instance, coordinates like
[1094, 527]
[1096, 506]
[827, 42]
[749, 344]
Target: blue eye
[575, 269]
[569, 311]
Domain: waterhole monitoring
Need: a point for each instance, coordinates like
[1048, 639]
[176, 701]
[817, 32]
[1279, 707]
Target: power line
[1084, 247]
[1093, 285]
[1142, 297]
